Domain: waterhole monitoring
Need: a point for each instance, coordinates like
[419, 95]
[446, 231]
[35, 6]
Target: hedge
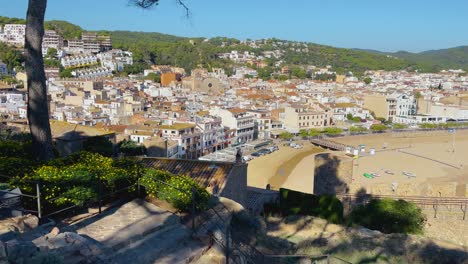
[177, 190]
[298, 203]
[389, 216]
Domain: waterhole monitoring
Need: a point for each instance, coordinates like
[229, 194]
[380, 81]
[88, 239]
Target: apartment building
[187, 137]
[13, 34]
[74, 46]
[262, 123]
[78, 61]
[212, 134]
[389, 106]
[297, 117]
[51, 40]
[238, 120]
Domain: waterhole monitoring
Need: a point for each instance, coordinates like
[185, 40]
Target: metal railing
[435, 202]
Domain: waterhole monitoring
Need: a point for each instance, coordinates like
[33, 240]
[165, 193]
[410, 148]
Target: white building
[51, 40]
[13, 34]
[238, 120]
[79, 61]
[187, 137]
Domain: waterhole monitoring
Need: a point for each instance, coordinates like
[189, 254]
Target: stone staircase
[141, 231]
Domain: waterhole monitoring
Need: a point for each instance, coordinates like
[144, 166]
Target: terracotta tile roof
[237, 110]
[210, 175]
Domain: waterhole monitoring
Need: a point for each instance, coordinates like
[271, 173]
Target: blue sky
[387, 25]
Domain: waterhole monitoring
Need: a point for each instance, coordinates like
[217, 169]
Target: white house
[238, 120]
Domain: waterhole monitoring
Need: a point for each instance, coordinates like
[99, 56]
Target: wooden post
[193, 208]
[38, 197]
[435, 206]
[464, 211]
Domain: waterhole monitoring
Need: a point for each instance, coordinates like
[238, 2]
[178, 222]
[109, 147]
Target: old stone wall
[333, 174]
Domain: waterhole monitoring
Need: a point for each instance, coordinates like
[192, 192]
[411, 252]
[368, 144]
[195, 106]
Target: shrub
[330, 208]
[378, 127]
[13, 148]
[357, 129]
[100, 145]
[389, 216]
[76, 179]
[298, 203]
[13, 166]
[333, 131]
[177, 190]
[131, 148]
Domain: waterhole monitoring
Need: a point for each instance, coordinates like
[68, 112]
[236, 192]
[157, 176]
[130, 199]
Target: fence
[44, 207]
[435, 202]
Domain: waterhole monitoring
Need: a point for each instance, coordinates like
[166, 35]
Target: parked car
[256, 154]
[264, 151]
[247, 158]
[273, 148]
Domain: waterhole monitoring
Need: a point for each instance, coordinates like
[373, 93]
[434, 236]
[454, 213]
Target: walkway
[140, 230]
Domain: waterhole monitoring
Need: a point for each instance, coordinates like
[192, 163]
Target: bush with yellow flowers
[78, 178]
[177, 190]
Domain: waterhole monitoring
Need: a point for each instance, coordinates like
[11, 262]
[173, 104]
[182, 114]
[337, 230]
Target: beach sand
[428, 155]
[287, 167]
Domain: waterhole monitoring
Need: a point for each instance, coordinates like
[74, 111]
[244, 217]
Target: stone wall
[235, 187]
[332, 174]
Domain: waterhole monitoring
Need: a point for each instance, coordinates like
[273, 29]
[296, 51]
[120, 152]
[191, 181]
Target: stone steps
[168, 245]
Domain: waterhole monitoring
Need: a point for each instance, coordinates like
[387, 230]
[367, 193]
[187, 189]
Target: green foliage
[378, 127]
[325, 77]
[66, 73]
[51, 53]
[428, 126]
[10, 56]
[304, 133]
[153, 77]
[52, 63]
[389, 216]
[265, 73]
[13, 148]
[314, 132]
[399, 126]
[333, 131]
[357, 129]
[367, 80]
[177, 190]
[298, 72]
[76, 179]
[131, 148]
[11, 20]
[286, 135]
[100, 145]
[352, 118]
[64, 29]
[282, 77]
[298, 203]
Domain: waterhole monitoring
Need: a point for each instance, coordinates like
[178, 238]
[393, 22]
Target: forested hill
[157, 48]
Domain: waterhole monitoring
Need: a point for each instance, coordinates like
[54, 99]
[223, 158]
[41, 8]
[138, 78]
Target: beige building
[299, 117]
[381, 106]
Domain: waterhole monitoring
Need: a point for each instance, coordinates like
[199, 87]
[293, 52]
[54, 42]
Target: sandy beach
[439, 170]
[287, 167]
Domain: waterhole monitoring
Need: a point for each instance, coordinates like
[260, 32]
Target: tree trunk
[38, 108]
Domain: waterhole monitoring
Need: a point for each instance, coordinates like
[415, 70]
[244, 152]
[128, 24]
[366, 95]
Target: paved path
[120, 226]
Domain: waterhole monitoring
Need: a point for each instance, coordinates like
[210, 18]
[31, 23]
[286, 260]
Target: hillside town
[126, 136]
[193, 115]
